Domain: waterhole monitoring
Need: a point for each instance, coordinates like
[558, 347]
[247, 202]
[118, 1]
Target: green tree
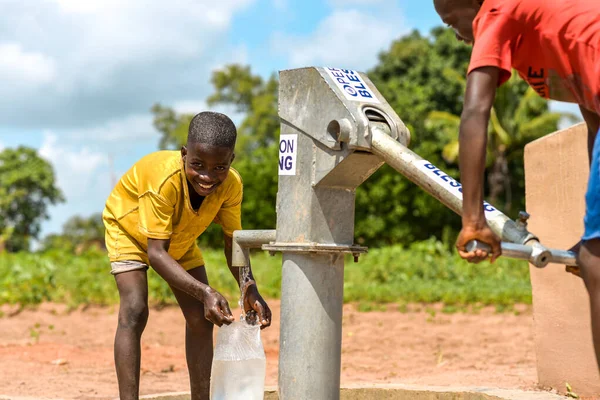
[85, 232]
[85, 229]
[56, 242]
[27, 188]
[78, 234]
[173, 127]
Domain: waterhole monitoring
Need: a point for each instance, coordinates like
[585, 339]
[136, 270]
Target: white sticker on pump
[351, 85]
[288, 148]
[452, 185]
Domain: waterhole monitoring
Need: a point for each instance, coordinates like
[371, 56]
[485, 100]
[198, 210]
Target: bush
[425, 272]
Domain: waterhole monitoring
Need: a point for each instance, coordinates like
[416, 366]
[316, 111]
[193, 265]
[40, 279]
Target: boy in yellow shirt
[153, 217]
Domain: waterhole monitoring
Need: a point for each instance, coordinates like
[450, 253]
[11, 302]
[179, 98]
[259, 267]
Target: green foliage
[426, 272]
[79, 234]
[27, 188]
[172, 126]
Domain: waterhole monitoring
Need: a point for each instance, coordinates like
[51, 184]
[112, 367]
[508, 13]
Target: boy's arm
[252, 298]
[592, 120]
[216, 309]
[478, 103]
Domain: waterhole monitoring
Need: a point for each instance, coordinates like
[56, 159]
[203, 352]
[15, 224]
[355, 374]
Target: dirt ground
[52, 353]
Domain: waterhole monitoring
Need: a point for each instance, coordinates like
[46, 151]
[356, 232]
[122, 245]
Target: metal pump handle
[536, 253]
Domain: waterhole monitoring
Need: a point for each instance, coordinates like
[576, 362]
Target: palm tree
[519, 116]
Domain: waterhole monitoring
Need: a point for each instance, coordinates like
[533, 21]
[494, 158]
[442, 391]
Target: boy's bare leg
[133, 315]
[589, 262]
[198, 339]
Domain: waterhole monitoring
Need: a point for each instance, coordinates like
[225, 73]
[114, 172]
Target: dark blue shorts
[592, 197]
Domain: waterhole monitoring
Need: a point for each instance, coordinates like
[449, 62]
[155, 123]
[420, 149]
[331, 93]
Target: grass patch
[426, 272]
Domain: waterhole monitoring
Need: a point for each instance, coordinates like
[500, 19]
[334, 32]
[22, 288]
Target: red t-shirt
[553, 44]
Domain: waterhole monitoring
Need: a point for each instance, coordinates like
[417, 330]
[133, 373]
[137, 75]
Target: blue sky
[77, 78]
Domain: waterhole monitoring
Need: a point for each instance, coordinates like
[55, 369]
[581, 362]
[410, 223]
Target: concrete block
[556, 172]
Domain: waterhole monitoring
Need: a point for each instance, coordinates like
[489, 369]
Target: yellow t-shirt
[152, 201]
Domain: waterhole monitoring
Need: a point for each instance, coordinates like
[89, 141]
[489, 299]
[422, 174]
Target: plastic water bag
[239, 364]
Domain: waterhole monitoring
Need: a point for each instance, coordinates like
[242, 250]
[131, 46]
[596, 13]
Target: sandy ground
[52, 353]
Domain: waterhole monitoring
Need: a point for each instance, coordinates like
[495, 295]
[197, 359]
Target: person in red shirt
[555, 47]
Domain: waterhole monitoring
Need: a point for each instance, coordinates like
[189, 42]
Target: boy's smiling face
[206, 166]
[459, 15]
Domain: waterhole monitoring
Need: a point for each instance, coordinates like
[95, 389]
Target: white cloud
[82, 174]
[121, 131]
[1, 146]
[238, 55]
[75, 168]
[347, 38]
[28, 67]
[106, 59]
[77, 7]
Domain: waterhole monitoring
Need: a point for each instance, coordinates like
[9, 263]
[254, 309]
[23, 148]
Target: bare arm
[592, 120]
[216, 309]
[479, 99]
[171, 271]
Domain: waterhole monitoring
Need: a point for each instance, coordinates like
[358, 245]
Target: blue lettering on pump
[488, 207]
[352, 85]
[285, 162]
[350, 90]
[286, 146]
[454, 184]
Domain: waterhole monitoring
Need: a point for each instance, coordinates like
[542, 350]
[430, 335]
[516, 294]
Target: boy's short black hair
[212, 128]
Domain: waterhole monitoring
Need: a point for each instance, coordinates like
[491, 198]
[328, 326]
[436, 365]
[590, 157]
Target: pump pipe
[248, 239]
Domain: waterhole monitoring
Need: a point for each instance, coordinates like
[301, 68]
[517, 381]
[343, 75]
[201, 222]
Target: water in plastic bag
[239, 364]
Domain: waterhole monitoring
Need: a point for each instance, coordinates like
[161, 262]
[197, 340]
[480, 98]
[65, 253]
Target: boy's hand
[216, 308]
[482, 233]
[253, 301]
